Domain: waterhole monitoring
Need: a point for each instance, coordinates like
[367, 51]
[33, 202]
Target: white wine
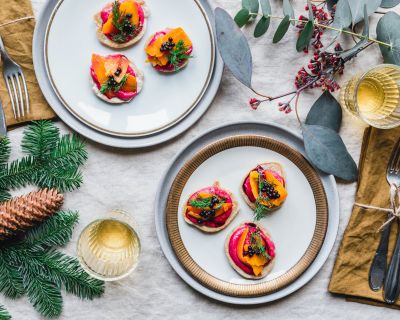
[375, 96]
[109, 248]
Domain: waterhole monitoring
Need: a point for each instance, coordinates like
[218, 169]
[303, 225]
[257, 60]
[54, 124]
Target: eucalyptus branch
[358, 35]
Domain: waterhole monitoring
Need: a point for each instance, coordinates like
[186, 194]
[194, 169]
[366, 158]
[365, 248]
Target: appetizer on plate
[250, 250]
[122, 23]
[263, 188]
[169, 50]
[115, 79]
[210, 209]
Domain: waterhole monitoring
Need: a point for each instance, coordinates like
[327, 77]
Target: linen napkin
[17, 34]
[361, 237]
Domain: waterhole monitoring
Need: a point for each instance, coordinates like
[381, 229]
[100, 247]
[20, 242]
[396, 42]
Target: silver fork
[392, 280]
[16, 84]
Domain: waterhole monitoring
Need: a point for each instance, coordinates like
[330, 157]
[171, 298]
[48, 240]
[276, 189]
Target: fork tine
[21, 99]
[26, 92]
[10, 93]
[15, 95]
[396, 157]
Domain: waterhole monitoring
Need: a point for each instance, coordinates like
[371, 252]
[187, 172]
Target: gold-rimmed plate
[164, 101]
[298, 228]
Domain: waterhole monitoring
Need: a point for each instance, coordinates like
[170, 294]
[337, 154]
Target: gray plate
[266, 129]
[120, 142]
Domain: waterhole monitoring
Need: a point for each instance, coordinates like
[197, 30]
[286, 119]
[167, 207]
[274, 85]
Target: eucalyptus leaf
[357, 8]
[281, 30]
[387, 31]
[310, 12]
[242, 17]
[364, 40]
[389, 3]
[342, 15]
[326, 150]
[233, 47]
[305, 36]
[262, 26]
[265, 8]
[288, 10]
[325, 112]
[330, 4]
[251, 5]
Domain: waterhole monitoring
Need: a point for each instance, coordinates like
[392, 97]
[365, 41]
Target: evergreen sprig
[4, 315]
[31, 266]
[50, 160]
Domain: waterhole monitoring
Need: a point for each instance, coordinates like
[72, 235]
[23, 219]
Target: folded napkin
[360, 240]
[17, 34]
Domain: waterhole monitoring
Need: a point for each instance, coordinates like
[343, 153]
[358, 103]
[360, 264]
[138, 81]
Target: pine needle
[5, 150]
[4, 315]
[10, 279]
[56, 231]
[40, 139]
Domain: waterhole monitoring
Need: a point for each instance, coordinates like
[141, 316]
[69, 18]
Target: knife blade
[3, 127]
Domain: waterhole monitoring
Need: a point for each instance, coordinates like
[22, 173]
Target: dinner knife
[3, 127]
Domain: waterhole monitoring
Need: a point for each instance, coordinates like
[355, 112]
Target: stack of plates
[64, 40]
[304, 229]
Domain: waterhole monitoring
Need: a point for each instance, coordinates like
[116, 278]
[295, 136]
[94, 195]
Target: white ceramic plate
[165, 99]
[270, 130]
[291, 227]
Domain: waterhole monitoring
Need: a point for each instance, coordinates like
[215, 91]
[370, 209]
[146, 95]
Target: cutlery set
[380, 275]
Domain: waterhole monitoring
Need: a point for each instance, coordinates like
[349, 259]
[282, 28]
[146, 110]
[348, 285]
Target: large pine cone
[22, 213]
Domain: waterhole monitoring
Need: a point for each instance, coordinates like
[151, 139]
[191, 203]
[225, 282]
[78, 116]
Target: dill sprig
[112, 85]
[256, 243]
[123, 24]
[178, 54]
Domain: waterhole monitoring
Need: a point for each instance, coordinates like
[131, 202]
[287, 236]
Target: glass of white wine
[374, 96]
[109, 248]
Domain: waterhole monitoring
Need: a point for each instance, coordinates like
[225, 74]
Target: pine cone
[22, 213]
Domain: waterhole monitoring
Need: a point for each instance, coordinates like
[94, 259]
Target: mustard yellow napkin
[360, 240]
[17, 37]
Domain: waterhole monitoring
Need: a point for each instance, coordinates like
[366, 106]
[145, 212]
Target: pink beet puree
[247, 187]
[105, 13]
[123, 95]
[167, 67]
[220, 220]
[233, 243]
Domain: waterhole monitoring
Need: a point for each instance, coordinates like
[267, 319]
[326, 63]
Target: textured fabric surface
[17, 38]
[361, 238]
[129, 179]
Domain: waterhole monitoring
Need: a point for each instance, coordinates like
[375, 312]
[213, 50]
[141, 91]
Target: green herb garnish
[205, 203]
[112, 85]
[256, 243]
[122, 22]
[178, 54]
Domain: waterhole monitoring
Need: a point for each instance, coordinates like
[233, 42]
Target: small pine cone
[22, 213]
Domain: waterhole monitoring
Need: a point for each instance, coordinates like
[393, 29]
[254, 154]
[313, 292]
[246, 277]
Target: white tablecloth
[128, 179]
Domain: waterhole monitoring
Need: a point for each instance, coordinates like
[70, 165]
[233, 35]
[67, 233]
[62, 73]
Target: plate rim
[173, 212]
[333, 220]
[99, 137]
[130, 134]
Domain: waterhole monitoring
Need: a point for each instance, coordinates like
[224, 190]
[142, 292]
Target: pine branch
[70, 151]
[4, 315]
[67, 272]
[5, 150]
[18, 173]
[10, 278]
[44, 295]
[4, 195]
[67, 179]
[40, 139]
[55, 231]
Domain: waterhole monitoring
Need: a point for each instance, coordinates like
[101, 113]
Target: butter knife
[3, 127]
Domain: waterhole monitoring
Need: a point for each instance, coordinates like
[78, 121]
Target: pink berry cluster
[321, 17]
[321, 69]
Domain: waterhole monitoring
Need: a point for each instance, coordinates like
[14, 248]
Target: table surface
[128, 179]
